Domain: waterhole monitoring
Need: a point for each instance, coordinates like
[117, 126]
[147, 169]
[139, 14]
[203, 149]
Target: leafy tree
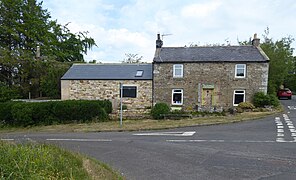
[281, 61]
[50, 83]
[24, 26]
[132, 58]
[281, 58]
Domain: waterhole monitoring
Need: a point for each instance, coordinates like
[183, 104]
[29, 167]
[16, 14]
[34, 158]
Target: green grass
[40, 161]
[147, 124]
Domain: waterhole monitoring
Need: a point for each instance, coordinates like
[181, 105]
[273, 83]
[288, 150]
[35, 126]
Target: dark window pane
[129, 91]
[238, 98]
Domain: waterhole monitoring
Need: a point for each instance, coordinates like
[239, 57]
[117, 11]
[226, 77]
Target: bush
[46, 113]
[159, 109]
[246, 106]
[107, 105]
[8, 93]
[22, 114]
[261, 100]
[6, 113]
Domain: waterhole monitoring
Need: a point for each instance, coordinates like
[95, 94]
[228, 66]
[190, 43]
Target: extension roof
[211, 54]
[109, 72]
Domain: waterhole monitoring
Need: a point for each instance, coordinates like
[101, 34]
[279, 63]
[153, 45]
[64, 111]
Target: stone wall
[216, 79]
[110, 89]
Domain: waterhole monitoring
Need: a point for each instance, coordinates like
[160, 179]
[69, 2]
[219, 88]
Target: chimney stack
[256, 41]
[159, 42]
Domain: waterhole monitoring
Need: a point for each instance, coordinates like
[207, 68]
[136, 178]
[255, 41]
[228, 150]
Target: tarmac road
[260, 149]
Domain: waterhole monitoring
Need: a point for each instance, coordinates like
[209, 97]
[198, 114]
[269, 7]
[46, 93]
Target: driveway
[260, 149]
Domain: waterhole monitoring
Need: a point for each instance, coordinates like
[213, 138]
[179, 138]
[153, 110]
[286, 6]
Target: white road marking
[291, 127]
[7, 139]
[280, 130]
[293, 134]
[81, 140]
[188, 133]
[280, 127]
[292, 130]
[277, 118]
[226, 141]
[280, 134]
[280, 140]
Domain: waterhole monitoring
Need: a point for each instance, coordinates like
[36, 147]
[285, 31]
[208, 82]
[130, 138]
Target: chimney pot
[159, 42]
[256, 41]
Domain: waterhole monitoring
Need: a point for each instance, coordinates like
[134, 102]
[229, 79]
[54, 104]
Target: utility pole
[121, 90]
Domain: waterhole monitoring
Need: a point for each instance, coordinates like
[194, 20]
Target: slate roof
[211, 54]
[108, 72]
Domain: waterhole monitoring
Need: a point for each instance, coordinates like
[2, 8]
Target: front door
[207, 97]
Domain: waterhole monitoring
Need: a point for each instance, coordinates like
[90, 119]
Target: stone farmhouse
[208, 78]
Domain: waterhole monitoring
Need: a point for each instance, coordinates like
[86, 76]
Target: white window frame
[175, 91]
[235, 93]
[236, 68]
[177, 67]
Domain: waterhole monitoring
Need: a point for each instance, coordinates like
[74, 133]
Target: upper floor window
[240, 70]
[178, 70]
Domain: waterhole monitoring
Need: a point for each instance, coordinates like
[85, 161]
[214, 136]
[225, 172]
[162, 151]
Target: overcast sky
[130, 26]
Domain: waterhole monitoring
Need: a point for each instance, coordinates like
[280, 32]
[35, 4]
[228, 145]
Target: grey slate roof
[211, 54]
[108, 72]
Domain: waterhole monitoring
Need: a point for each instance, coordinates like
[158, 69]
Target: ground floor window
[238, 97]
[177, 96]
[129, 91]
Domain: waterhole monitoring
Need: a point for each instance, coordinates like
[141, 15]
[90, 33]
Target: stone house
[208, 78]
[102, 81]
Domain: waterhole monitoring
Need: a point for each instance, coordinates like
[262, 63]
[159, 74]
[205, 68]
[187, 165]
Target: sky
[122, 27]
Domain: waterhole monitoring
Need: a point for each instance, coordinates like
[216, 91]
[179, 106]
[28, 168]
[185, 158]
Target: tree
[24, 26]
[281, 61]
[50, 82]
[281, 58]
[132, 58]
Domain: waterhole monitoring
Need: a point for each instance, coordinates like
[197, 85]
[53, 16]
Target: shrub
[273, 100]
[8, 93]
[6, 113]
[159, 109]
[81, 110]
[246, 106]
[22, 114]
[107, 105]
[46, 113]
[261, 100]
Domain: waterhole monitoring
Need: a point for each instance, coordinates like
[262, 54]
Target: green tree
[51, 80]
[24, 26]
[281, 58]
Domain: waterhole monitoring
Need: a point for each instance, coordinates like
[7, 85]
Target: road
[260, 149]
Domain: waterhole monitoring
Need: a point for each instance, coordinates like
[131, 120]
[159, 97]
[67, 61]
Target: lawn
[147, 124]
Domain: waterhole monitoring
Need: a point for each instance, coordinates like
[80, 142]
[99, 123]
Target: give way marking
[187, 133]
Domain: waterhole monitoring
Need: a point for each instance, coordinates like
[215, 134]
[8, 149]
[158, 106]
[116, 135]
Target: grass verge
[137, 125]
[40, 161]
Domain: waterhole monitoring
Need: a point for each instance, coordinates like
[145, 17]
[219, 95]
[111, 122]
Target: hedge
[53, 112]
